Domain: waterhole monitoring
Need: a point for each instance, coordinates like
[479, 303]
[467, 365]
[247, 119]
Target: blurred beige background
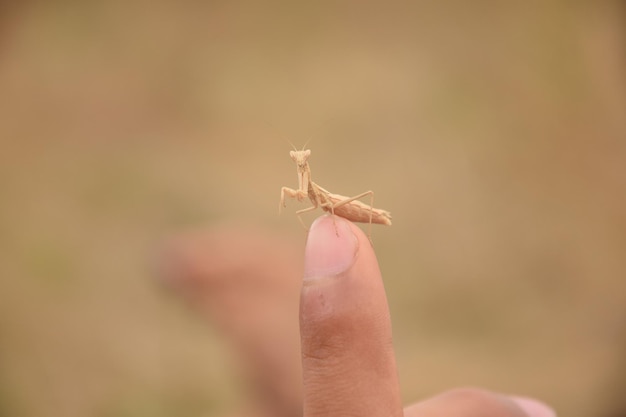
[494, 133]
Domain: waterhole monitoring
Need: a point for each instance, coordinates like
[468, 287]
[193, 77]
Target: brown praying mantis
[347, 207]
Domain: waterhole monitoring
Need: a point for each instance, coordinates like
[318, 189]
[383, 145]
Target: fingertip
[331, 247]
[532, 407]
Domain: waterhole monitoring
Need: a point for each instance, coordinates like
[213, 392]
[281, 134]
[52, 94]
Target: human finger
[240, 278]
[475, 402]
[348, 361]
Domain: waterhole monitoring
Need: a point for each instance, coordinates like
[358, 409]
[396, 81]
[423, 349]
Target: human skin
[348, 366]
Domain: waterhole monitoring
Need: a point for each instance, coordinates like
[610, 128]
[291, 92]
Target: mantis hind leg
[357, 197]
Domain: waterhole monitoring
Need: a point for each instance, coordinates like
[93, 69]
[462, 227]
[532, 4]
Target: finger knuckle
[478, 401]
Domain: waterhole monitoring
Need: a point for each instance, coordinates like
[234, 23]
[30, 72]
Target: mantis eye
[292, 154]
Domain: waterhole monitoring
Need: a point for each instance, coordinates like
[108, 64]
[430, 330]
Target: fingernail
[533, 407]
[330, 247]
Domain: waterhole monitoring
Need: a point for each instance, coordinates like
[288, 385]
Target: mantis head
[300, 157]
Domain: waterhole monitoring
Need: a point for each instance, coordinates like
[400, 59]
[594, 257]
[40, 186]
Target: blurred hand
[247, 282]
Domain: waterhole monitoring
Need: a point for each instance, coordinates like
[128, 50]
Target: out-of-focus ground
[494, 133]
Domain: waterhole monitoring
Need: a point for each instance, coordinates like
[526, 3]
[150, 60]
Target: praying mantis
[347, 207]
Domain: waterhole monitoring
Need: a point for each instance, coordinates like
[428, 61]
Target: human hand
[247, 281]
[242, 279]
[349, 366]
